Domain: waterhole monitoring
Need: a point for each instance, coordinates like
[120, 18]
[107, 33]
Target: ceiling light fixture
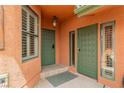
[54, 21]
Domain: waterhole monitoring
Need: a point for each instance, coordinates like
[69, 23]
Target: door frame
[77, 36]
[54, 45]
[70, 63]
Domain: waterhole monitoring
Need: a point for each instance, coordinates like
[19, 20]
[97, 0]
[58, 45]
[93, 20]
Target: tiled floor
[80, 82]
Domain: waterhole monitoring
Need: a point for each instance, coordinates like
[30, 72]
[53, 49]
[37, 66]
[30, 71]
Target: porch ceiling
[63, 12]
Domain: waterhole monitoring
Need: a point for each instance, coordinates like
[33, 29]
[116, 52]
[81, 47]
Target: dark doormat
[61, 78]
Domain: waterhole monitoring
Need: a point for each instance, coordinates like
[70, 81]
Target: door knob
[78, 49]
[53, 46]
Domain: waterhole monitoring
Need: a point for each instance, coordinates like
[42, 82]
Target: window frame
[2, 32]
[102, 52]
[31, 12]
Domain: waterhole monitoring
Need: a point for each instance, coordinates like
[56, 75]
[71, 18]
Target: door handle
[78, 49]
[53, 46]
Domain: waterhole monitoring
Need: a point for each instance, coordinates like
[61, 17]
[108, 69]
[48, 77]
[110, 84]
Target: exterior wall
[114, 13]
[20, 74]
[47, 24]
[28, 73]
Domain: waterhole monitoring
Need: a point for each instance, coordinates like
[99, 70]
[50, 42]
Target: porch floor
[80, 82]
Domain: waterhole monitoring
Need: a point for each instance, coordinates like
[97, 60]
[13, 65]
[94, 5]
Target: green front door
[87, 51]
[48, 47]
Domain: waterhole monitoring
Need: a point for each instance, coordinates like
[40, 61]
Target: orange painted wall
[20, 74]
[47, 23]
[114, 13]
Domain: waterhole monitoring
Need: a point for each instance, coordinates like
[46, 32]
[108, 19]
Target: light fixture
[54, 21]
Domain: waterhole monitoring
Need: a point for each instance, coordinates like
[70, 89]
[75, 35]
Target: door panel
[87, 54]
[48, 47]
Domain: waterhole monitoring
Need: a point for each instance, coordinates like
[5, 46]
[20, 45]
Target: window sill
[28, 59]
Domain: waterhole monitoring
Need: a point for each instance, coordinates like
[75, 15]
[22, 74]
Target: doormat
[61, 78]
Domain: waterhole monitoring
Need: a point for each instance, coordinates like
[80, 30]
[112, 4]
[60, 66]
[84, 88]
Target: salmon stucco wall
[21, 74]
[110, 14]
[47, 24]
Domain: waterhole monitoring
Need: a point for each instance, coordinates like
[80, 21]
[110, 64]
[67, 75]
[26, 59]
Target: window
[107, 50]
[29, 33]
[1, 27]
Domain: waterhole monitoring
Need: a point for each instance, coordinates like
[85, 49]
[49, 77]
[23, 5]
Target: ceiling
[63, 12]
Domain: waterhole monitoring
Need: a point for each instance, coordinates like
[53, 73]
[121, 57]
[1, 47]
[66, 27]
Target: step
[53, 70]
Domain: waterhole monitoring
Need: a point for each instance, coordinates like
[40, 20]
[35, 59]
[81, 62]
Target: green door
[48, 47]
[87, 51]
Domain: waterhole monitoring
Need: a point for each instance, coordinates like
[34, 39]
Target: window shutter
[24, 35]
[108, 37]
[107, 51]
[32, 29]
[29, 33]
[108, 44]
